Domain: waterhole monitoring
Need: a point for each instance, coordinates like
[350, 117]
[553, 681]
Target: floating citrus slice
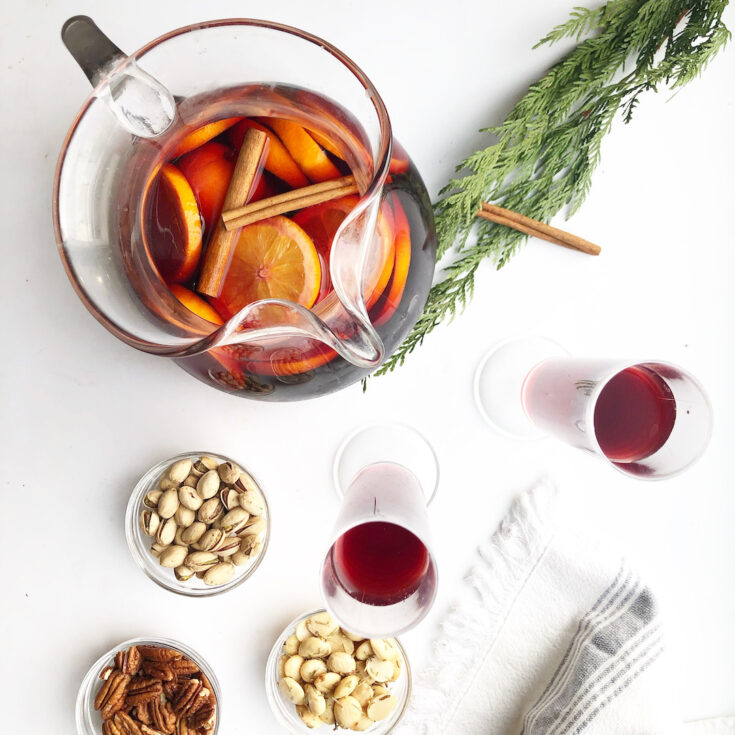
[273, 259]
[176, 233]
[203, 134]
[321, 223]
[277, 159]
[325, 143]
[195, 303]
[307, 153]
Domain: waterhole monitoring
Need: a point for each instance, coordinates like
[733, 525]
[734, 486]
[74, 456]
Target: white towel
[554, 636]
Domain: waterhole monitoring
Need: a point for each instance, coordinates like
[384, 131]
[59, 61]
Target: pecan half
[204, 718]
[159, 670]
[143, 714]
[184, 668]
[171, 689]
[157, 653]
[121, 724]
[129, 661]
[163, 716]
[142, 690]
[202, 699]
[182, 728]
[111, 696]
[145, 730]
[186, 696]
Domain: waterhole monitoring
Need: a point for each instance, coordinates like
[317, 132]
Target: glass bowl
[140, 544]
[285, 711]
[88, 719]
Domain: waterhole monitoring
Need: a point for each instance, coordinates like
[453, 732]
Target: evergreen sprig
[547, 148]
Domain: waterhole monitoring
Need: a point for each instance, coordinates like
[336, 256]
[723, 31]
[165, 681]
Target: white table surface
[83, 415]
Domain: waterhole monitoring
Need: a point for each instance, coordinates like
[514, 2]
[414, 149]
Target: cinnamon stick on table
[534, 228]
[219, 251]
[306, 196]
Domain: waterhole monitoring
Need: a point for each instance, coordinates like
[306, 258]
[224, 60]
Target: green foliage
[547, 148]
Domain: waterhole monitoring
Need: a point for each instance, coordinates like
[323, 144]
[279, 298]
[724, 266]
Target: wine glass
[379, 574]
[648, 418]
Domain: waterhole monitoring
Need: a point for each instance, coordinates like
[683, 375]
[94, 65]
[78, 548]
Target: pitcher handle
[142, 105]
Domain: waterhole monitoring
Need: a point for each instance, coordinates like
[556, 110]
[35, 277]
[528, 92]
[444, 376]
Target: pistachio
[157, 549]
[189, 498]
[321, 625]
[208, 485]
[151, 498]
[173, 556]
[314, 648]
[229, 546]
[308, 717]
[347, 712]
[210, 510]
[251, 500]
[208, 463]
[291, 646]
[229, 472]
[378, 669]
[246, 482]
[149, 522]
[327, 682]
[168, 503]
[327, 717]
[364, 651]
[363, 693]
[250, 546]
[255, 526]
[183, 574]
[341, 663]
[210, 539]
[178, 538]
[200, 561]
[292, 666]
[292, 690]
[230, 498]
[312, 668]
[166, 484]
[193, 533]
[219, 573]
[190, 481]
[234, 520]
[184, 516]
[346, 686]
[197, 469]
[380, 706]
[179, 470]
[166, 532]
[314, 699]
[365, 724]
[384, 648]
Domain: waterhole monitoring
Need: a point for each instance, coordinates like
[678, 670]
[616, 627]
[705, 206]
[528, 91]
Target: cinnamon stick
[534, 228]
[306, 196]
[219, 251]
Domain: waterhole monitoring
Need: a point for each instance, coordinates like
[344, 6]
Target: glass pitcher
[142, 107]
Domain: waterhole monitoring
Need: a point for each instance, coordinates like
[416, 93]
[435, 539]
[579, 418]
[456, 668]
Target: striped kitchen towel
[555, 635]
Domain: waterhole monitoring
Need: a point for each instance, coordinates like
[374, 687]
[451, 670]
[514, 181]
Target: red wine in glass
[634, 415]
[380, 563]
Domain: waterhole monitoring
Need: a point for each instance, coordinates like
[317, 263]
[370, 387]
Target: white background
[84, 415]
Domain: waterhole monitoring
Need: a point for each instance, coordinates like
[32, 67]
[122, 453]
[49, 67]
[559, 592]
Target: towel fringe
[472, 625]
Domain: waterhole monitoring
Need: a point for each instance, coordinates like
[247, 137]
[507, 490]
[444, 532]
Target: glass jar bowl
[89, 721]
[140, 544]
[285, 711]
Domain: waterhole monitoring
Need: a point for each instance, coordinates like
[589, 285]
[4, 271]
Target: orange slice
[312, 160]
[400, 161]
[175, 234]
[325, 143]
[277, 159]
[391, 298]
[195, 303]
[203, 135]
[321, 223]
[273, 259]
